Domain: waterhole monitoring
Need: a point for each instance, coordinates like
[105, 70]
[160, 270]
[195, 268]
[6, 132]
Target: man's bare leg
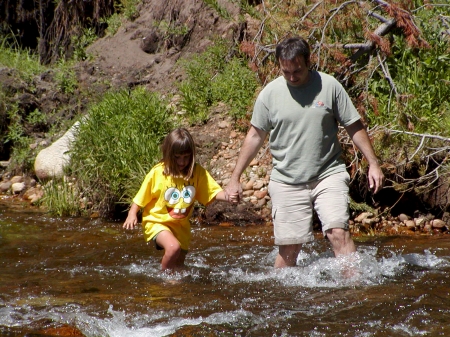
[341, 241]
[287, 256]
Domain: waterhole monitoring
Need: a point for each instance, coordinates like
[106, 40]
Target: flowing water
[92, 275]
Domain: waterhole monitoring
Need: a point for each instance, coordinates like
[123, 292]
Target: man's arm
[252, 143]
[360, 138]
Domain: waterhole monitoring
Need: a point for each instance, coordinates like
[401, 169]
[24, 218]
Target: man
[301, 111]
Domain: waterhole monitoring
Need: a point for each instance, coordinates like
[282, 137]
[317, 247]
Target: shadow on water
[92, 275]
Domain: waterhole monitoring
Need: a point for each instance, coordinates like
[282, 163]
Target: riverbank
[218, 145]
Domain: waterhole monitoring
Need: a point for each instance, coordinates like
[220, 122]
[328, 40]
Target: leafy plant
[80, 43]
[219, 9]
[211, 79]
[113, 22]
[116, 146]
[66, 78]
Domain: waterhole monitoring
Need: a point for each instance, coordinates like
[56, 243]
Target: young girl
[167, 197]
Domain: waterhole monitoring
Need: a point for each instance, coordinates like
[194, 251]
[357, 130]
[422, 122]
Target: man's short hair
[292, 48]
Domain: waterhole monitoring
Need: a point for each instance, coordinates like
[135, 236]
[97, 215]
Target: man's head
[293, 56]
[293, 48]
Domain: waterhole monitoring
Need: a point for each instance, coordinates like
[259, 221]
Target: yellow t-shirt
[168, 202]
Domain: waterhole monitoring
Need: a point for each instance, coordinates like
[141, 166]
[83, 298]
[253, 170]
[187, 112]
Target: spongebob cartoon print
[179, 202]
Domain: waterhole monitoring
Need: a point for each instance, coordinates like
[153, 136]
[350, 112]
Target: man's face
[295, 71]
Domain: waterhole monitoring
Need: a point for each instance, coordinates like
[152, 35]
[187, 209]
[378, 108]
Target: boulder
[50, 162]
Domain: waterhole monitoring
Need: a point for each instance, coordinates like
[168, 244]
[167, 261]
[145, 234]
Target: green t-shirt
[303, 126]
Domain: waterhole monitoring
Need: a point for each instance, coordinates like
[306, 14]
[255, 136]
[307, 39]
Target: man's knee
[341, 241]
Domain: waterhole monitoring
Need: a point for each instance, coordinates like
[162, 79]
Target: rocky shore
[218, 148]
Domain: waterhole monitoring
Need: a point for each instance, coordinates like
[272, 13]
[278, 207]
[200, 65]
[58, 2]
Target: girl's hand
[130, 222]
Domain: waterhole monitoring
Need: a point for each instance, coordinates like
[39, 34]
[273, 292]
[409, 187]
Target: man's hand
[234, 191]
[376, 178]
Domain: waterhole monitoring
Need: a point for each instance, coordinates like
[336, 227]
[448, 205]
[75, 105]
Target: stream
[106, 282]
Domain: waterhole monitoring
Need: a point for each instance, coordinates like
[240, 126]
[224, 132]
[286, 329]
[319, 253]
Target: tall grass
[24, 62]
[116, 146]
[62, 198]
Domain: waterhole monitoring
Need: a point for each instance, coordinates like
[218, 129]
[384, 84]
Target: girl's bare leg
[173, 255]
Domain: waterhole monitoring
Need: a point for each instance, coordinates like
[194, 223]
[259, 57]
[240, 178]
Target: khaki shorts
[292, 207]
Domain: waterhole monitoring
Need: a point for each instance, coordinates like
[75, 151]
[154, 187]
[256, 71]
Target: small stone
[370, 221]
[363, 216]
[223, 125]
[248, 193]
[5, 186]
[261, 202]
[403, 217]
[249, 184]
[260, 194]
[17, 179]
[410, 224]
[437, 223]
[17, 187]
[254, 162]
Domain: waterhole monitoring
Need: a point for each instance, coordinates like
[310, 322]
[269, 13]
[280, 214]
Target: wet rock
[420, 222]
[370, 221]
[260, 194]
[437, 223]
[254, 162]
[362, 216]
[248, 193]
[248, 185]
[403, 217]
[17, 179]
[410, 224]
[17, 188]
[65, 330]
[258, 185]
[5, 186]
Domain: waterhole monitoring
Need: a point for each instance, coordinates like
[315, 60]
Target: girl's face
[183, 160]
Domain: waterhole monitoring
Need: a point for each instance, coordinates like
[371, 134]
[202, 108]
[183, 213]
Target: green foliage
[80, 43]
[36, 117]
[422, 80]
[219, 9]
[24, 62]
[66, 78]
[211, 79]
[62, 198]
[114, 22]
[129, 8]
[117, 145]
[125, 10]
[236, 86]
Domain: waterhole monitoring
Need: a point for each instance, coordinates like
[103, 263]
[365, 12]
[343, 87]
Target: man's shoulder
[278, 83]
[328, 80]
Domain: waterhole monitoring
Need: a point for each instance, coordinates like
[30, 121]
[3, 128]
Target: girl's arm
[131, 219]
[222, 196]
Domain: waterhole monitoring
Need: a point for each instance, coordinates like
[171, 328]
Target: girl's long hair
[178, 141]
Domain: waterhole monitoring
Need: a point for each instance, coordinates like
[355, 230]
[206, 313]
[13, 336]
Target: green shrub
[80, 43]
[212, 77]
[236, 86]
[116, 146]
[66, 78]
[114, 22]
[422, 78]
